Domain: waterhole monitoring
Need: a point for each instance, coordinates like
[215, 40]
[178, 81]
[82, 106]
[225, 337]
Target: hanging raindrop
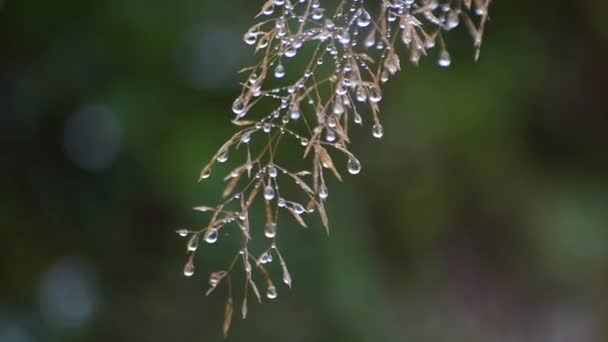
[189, 269]
[298, 208]
[378, 131]
[223, 156]
[238, 107]
[193, 243]
[445, 60]
[295, 114]
[211, 236]
[354, 166]
[374, 94]
[364, 18]
[271, 293]
[279, 71]
[272, 171]
[269, 193]
[271, 230]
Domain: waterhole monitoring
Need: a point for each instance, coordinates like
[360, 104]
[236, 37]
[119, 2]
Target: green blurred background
[482, 215]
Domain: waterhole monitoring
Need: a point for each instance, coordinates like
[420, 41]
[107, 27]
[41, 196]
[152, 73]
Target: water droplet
[354, 166]
[215, 278]
[189, 269]
[295, 114]
[370, 40]
[323, 193]
[206, 173]
[272, 171]
[304, 142]
[193, 243]
[271, 230]
[279, 71]
[250, 38]
[269, 9]
[265, 258]
[223, 156]
[452, 20]
[378, 131]
[290, 51]
[330, 136]
[182, 232]
[269, 193]
[332, 122]
[361, 94]
[445, 60]
[271, 293]
[358, 119]
[364, 18]
[341, 88]
[338, 107]
[374, 94]
[211, 236]
[238, 107]
[246, 138]
[298, 208]
[317, 13]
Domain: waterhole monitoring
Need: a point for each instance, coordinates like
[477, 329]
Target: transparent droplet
[378, 131]
[304, 142]
[269, 9]
[332, 122]
[265, 258]
[344, 37]
[374, 94]
[272, 171]
[445, 60]
[271, 293]
[358, 119]
[223, 156]
[182, 232]
[193, 243]
[246, 138]
[269, 193]
[354, 166]
[317, 13]
[295, 114]
[338, 106]
[364, 18]
[298, 208]
[189, 269]
[279, 71]
[271, 230]
[452, 20]
[238, 107]
[361, 94]
[330, 136]
[267, 128]
[250, 38]
[215, 278]
[290, 51]
[211, 236]
[323, 193]
[370, 40]
[341, 88]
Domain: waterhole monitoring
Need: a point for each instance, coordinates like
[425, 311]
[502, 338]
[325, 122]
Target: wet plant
[351, 50]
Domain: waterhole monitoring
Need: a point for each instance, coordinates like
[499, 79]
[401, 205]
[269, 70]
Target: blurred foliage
[480, 217]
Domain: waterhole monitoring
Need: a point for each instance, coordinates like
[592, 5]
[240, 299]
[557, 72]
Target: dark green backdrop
[481, 216]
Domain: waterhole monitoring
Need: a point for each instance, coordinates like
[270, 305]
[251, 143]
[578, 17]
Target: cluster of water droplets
[354, 53]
